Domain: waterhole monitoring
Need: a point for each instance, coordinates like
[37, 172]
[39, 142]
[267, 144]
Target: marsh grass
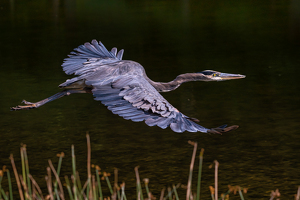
[91, 189]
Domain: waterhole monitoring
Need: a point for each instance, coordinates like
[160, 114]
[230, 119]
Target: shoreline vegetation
[73, 189]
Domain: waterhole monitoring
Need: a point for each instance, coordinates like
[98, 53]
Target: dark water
[260, 39]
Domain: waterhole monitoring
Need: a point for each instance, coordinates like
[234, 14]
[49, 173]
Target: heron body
[126, 90]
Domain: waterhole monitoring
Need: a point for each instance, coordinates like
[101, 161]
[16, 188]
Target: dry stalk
[36, 186]
[61, 194]
[189, 185]
[216, 179]
[49, 183]
[17, 177]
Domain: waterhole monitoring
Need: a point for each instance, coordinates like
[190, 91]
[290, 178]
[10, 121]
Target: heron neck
[172, 85]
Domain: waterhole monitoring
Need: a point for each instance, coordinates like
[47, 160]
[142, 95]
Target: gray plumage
[125, 89]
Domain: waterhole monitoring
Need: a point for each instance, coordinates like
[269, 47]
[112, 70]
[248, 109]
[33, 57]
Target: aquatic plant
[28, 188]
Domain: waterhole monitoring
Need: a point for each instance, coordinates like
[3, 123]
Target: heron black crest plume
[123, 86]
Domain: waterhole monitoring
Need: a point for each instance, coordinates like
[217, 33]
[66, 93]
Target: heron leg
[29, 105]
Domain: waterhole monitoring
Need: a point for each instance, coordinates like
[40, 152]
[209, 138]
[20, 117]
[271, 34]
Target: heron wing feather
[114, 51]
[90, 56]
[133, 97]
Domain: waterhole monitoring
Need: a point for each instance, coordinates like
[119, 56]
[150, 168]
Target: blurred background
[259, 39]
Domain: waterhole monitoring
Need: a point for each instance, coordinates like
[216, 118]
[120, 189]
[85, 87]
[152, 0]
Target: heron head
[211, 75]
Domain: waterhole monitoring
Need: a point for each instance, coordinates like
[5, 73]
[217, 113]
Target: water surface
[258, 39]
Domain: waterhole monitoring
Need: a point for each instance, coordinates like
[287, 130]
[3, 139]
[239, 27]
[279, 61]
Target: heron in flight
[123, 86]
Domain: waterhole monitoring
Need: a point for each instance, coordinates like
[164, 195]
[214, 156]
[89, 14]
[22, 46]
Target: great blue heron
[123, 86]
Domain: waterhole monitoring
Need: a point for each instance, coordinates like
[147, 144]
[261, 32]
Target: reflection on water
[258, 39]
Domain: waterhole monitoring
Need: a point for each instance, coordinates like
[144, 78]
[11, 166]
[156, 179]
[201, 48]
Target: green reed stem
[69, 188]
[212, 196]
[9, 185]
[175, 192]
[78, 182]
[199, 173]
[109, 185]
[56, 193]
[88, 190]
[141, 191]
[4, 195]
[170, 191]
[83, 188]
[59, 164]
[147, 188]
[241, 194]
[24, 174]
[99, 184]
[77, 193]
[38, 196]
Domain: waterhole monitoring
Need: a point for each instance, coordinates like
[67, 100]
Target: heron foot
[28, 105]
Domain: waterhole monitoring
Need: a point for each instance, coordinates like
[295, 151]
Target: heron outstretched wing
[133, 97]
[90, 56]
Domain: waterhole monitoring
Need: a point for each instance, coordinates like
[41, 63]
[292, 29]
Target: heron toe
[28, 105]
[27, 102]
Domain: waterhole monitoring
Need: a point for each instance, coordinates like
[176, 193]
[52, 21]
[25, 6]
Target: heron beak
[226, 76]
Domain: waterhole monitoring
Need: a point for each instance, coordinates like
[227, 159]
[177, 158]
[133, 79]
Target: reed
[28, 188]
[189, 185]
[138, 184]
[175, 192]
[199, 174]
